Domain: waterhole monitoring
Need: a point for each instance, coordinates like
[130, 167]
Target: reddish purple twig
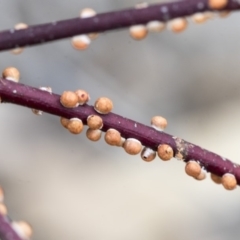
[44, 33]
[6, 230]
[30, 97]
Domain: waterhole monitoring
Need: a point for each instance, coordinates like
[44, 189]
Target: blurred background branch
[102, 22]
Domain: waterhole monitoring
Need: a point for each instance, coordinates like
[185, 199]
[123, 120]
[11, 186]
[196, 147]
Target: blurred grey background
[67, 187]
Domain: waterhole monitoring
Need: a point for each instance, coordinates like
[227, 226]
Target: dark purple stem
[44, 33]
[6, 231]
[30, 97]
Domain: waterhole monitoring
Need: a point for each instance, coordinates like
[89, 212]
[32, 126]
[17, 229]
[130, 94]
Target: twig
[30, 97]
[6, 231]
[44, 33]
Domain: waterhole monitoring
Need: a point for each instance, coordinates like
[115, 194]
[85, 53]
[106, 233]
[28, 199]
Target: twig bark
[44, 33]
[20, 94]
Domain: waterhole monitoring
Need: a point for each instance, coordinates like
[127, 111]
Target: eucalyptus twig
[30, 97]
[44, 33]
[6, 230]
[12, 230]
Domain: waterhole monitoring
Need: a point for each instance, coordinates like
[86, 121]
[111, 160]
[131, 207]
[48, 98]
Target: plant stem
[30, 97]
[6, 231]
[44, 33]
